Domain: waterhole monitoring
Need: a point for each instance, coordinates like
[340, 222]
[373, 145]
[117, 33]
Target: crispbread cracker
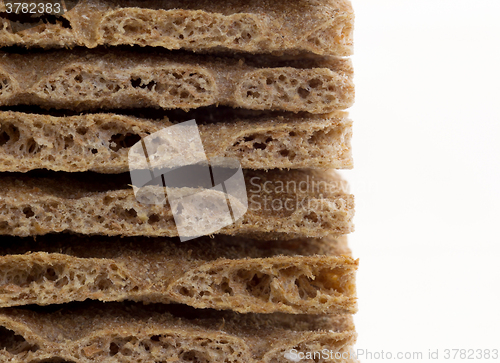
[116, 333]
[259, 26]
[304, 276]
[300, 203]
[91, 79]
[101, 142]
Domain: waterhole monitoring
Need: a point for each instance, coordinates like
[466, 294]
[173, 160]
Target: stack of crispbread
[89, 272]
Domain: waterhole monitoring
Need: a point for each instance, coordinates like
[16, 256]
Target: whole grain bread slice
[296, 203]
[303, 276]
[92, 79]
[101, 142]
[114, 332]
[322, 27]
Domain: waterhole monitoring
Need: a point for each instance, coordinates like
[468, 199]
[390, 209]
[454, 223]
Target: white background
[427, 175]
